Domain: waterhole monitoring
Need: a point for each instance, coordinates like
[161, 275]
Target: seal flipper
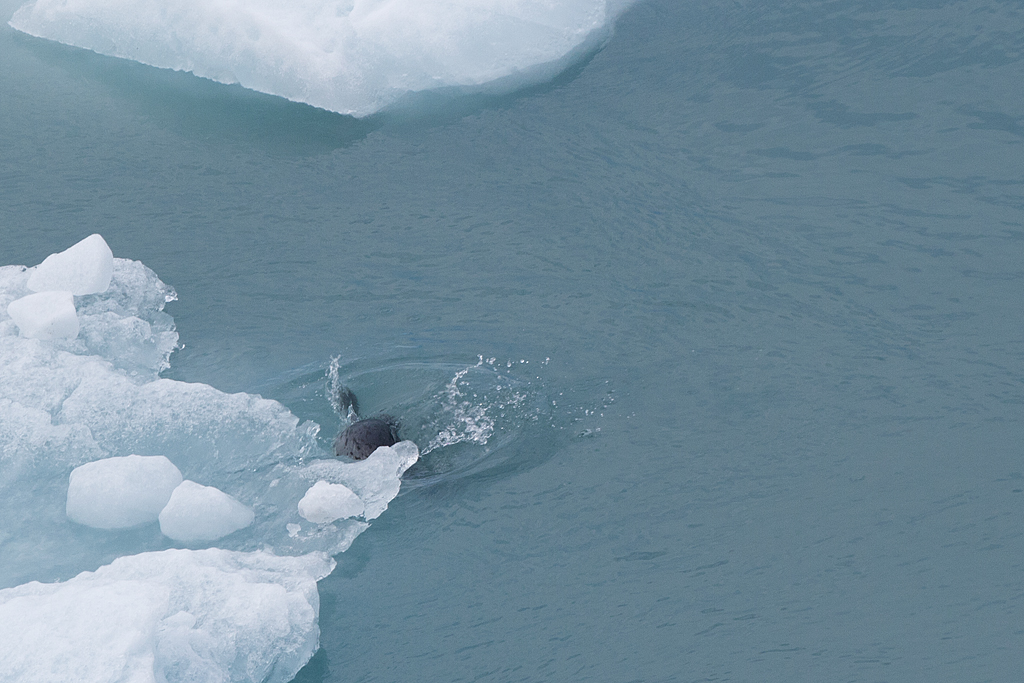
[347, 403]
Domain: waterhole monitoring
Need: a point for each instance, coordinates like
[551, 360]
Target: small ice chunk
[202, 513]
[375, 480]
[324, 503]
[119, 493]
[84, 268]
[47, 315]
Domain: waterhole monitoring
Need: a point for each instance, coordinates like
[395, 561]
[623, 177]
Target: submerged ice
[99, 454]
[348, 56]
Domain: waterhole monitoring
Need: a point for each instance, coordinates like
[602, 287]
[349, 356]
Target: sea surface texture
[705, 319]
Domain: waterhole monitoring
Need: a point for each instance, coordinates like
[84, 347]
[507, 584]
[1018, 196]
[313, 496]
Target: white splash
[469, 422]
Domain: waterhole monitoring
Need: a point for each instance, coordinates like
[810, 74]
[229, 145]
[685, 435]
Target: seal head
[365, 436]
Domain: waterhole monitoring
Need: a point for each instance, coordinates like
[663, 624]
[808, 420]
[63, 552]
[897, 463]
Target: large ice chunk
[84, 268]
[202, 513]
[46, 315]
[324, 503]
[119, 493]
[349, 56]
[174, 616]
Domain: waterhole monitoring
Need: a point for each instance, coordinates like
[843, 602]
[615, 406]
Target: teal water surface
[757, 268]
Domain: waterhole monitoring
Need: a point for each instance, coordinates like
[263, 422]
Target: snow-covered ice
[46, 315]
[324, 503]
[171, 616]
[84, 268]
[119, 493]
[202, 513]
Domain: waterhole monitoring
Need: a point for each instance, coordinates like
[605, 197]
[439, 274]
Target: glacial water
[711, 344]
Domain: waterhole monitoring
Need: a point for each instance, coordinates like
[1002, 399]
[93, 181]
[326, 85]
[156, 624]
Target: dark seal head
[364, 437]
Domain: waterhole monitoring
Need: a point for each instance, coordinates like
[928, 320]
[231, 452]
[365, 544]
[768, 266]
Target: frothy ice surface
[348, 56]
[94, 401]
[176, 615]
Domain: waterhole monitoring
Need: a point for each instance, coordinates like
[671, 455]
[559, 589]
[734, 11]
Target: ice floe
[96, 449]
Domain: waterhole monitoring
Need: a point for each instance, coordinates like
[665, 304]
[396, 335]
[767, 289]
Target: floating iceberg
[348, 56]
[67, 402]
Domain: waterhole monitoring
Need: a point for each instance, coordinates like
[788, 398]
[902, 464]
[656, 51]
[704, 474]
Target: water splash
[470, 422]
[334, 391]
[464, 416]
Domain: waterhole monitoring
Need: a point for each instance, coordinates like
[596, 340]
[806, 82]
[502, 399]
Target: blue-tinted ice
[246, 610]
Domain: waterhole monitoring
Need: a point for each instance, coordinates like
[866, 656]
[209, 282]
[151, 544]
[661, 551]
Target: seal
[363, 437]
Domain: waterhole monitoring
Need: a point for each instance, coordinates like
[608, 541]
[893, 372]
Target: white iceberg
[171, 616]
[122, 492]
[325, 503]
[84, 268]
[46, 315]
[202, 513]
[349, 56]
